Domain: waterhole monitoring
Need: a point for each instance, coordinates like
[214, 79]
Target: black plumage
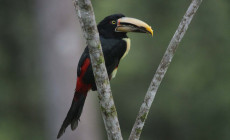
[113, 50]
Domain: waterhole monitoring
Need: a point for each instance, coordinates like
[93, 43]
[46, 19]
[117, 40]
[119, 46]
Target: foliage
[193, 99]
[20, 110]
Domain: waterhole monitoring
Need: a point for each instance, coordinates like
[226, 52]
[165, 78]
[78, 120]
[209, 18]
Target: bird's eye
[113, 22]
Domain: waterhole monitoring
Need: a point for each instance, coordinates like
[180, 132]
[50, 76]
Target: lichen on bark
[161, 70]
[86, 18]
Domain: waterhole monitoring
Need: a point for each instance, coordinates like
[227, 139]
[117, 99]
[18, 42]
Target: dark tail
[74, 113]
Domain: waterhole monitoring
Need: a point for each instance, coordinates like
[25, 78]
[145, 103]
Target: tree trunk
[61, 45]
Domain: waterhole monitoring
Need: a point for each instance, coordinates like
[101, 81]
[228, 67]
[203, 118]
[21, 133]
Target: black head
[117, 25]
[108, 25]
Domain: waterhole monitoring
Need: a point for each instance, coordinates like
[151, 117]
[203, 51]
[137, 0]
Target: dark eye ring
[113, 22]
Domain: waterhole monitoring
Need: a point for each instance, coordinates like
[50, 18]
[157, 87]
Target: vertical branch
[86, 17]
[161, 70]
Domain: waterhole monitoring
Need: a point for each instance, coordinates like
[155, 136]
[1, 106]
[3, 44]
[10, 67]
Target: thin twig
[161, 70]
[86, 18]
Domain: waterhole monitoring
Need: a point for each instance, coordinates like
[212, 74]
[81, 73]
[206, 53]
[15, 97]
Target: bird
[115, 44]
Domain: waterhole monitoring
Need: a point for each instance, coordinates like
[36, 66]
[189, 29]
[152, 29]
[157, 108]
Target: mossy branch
[86, 18]
[161, 70]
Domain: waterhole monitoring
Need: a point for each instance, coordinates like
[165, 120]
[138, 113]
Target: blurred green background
[192, 102]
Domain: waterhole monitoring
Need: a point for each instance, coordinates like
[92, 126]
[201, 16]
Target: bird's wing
[84, 55]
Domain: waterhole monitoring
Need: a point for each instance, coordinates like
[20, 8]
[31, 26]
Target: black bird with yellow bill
[115, 45]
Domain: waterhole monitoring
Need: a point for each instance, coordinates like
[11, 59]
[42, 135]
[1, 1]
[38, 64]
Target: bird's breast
[128, 44]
